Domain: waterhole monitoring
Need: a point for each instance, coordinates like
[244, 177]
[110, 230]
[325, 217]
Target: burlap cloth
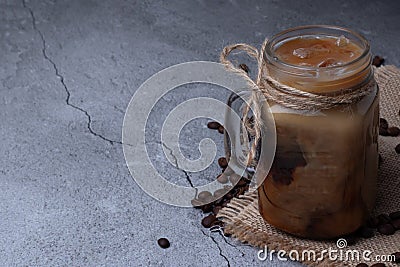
[244, 222]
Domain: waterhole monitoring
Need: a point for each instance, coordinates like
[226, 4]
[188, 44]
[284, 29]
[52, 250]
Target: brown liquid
[322, 181]
[321, 52]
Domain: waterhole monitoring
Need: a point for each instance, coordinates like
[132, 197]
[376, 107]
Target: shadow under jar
[322, 183]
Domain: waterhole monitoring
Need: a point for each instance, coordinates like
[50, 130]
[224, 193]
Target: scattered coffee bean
[222, 178]
[373, 222]
[197, 203]
[228, 171]
[208, 220]
[216, 209]
[378, 265]
[362, 265]
[395, 215]
[206, 208]
[378, 61]
[397, 148]
[163, 242]
[234, 178]
[243, 189]
[393, 131]
[228, 196]
[383, 132]
[366, 232]
[396, 257]
[383, 219]
[383, 123]
[219, 193]
[228, 188]
[386, 229]
[204, 195]
[222, 162]
[396, 223]
[217, 222]
[244, 67]
[213, 125]
[235, 191]
[383, 127]
[242, 182]
[221, 129]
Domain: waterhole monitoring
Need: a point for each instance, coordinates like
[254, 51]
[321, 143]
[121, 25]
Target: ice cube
[342, 41]
[302, 53]
[329, 62]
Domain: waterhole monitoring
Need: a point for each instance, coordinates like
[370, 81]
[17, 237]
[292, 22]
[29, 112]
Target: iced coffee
[323, 178]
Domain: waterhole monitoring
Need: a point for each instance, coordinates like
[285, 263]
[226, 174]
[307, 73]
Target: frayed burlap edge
[244, 222]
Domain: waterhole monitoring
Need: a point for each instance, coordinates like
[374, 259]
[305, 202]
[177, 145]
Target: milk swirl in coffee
[323, 178]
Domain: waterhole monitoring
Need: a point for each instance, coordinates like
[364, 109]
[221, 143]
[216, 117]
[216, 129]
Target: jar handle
[254, 85]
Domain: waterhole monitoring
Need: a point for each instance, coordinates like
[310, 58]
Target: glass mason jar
[322, 183]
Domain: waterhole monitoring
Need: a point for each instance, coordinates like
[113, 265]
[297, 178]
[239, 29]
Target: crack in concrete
[61, 77]
[228, 243]
[177, 165]
[219, 248]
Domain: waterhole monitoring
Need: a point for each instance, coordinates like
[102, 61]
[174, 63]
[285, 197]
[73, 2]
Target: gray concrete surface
[68, 71]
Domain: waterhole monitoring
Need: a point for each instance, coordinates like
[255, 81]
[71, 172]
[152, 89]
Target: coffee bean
[222, 162]
[208, 220]
[386, 229]
[383, 219]
[225, 203]
[221, 129]
[216, 209]
[243, 189]
[393, 131]
[396, 257]
[217, 222]
[383, 123]
[206, 208]
[242, 182]
[228, 196]
[204, 195]
[362, 265]
[219, 193]
[395, 215]
[373, 222]
[397, 148]
[396, 223]
[213, 125]
[378, 265]
[383, 132]
[222, 178]
[163, 242]
[366, 232]
[244, 67]
[228, 171]
[228, 188]
[197, 203]
[234, 178]
[378, 61]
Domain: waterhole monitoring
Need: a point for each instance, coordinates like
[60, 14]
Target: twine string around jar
[282, 94]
